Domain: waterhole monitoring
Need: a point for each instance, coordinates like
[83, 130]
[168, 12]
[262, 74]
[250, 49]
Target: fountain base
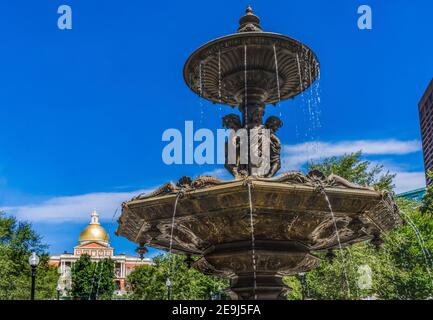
[262, 279]
[268, 287]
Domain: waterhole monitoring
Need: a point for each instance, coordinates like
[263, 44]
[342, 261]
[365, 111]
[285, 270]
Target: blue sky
[83, 110]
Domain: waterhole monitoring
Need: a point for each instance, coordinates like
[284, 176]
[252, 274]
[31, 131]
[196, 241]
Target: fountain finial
[249, 22]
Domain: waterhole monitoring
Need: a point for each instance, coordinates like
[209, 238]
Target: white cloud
[407, 181]
[404, 180]
[294, 156]
[77, 208]
[72, 208]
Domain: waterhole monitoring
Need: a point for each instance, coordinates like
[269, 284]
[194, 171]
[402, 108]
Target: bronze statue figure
[233, 122]
[273, 124]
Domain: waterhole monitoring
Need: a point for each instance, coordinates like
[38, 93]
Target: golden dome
[94, 232]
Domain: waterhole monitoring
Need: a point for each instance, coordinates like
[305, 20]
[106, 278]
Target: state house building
[425, 108]
[94, 241]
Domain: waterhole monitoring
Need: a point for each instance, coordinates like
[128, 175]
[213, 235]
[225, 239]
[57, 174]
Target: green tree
[17, 241]
[92, 280]
[400, 268]
[149, 282]
[354, 169]
[427, 202]
[408, 249]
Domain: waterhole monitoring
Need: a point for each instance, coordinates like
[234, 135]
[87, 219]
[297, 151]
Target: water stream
[246, 106]
[219, 76]
[170, 249]
[200, 90]
[200, 81]
[337, 233]
[300, 74]
[310, 102]
[253, 242]
[277, 74]
[420, 239]
[246, 84]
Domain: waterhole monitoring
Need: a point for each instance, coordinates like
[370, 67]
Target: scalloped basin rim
[269, 186]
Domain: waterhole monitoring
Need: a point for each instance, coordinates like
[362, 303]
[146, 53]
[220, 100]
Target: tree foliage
[354, 169]
[92, 280]
[427, 203]
[148, 282]
[17, 241]
[400, 268]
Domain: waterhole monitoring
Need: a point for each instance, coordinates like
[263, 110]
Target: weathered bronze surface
[216, 71]
[250, 69]
[291, 217]
[291, 220]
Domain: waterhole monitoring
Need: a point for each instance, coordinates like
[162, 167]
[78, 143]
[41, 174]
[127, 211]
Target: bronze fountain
[256, 228]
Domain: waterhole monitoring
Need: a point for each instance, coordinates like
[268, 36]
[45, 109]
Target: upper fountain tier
[216, 71]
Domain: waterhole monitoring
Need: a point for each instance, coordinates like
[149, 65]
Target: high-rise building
[425, 108]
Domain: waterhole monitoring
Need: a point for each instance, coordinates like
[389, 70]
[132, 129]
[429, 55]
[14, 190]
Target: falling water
[253, 241]
[317, 90]
[310, 100]
[315, 98]
[301, 86]
[418, 234]
[353, 265]
[300, 74]
[312, 106]
[277, 74]
[421, 243]
[219, 75]
[426, 253]
[200, 89]
[339, 241]
[246, 105]
[200, 83]
[168, 281]
[246, 85]
[172, 222]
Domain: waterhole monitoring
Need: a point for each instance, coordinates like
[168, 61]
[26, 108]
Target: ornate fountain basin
[254, 231]
[216, 71]
[291, 218]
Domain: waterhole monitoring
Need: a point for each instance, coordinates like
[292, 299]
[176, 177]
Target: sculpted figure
[265, 159]
[255, 117]
[273, 124]
[259, 158]
[233, 122]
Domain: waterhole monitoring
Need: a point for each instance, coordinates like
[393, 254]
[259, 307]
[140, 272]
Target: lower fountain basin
[291, 218]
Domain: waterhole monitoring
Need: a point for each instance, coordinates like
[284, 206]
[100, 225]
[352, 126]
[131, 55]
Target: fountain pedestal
[263, 279]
